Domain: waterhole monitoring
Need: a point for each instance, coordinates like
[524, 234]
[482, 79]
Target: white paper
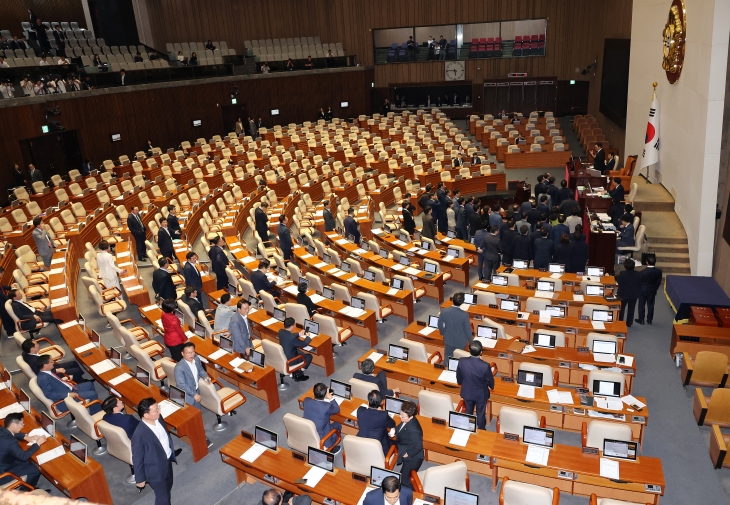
[189, 334]
[448, 258]
[604, 358]
[148, 307]
[270, 321]
[561, 397]
[528, 349]
[59, 301]
[375, 356]
[237, 250]
[103, 366]
[58, 286]
[55, 271]
[248, 259]
[320, 264]
[353, 279]
[123, 254]
[489, 343]
[427, 330]
[58, 261]
[253, 453]
[481, 285]
[134, 288]
[39, 432]
[119, 379]
[526, 391]
[460, 438]
[167, 408]
[9, 409]
[412, 271]
[544, 294]
[606, 404]
[50, 455]
[448, 376]
[545, 317]
[537, 455]
[464, 307]
[217, 354]
[317, 298]
[127, 264]
[628, 360]
[359, 252]
[354, 412]
[84, 347]
[235, 362]
[609, 469]
[391, 291]
[631, 400]
[341, 241]
[398, 267]
[556, 276]
[128, 278]
[577, 298]
[314, 475]
[598, 325]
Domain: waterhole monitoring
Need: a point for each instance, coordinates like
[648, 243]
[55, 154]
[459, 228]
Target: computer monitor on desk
[48, 424]
[358, 303]
[606, 388]
[556, 268]
[177, 396]
[548, 286]
[453, 364]
[499, 280]
[470, 298]
[456, 497]
[115, 355]
[543, 340]
[328, 293]
[487, 332]
[377, 475]
[555, 310]
[594, 290]
[396, 284]
[538, 436]
[398, 351]
[520, 264]
[619, 449]
[529, 378]
[341, 389]
[604, 316]
[595, 271]
[369, 275]
[78, 449]
[393, 404]
[95, 338]
[143, 376]
[509, 305]
[321, 459]
[433, 321]
[257, 358]
[465, 422]
[604, 347]
[267, 438]
[226, 343]
[279, 314]
[429, 268]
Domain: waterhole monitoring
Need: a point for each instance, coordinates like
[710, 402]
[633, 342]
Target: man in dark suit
[454, 326]
[476, 379]
[409, 224]
[60, 40]
[629, 289]
[540, 187]
[274, 497]
[367, 367]
[139, 232]
[475, 159]
[30, 355]
[7, 321]
[218, 262]
[618, 192]
[533, 215]
[390, 492]
[351, 226]
[164, 241]
[153, 452]
[422, 200]
[162, 282]
[507, 241]
[544, 249]
[651, 281]
[552, 189]
[491, 248]
[558, 230]
[292, 343]
[329, 220]
[599, 158]
[441, 195]
[18, 177]
[262, 221]
[12, 457]
[428, 229]
[261, 282]
[564, 192]
[41, 35]
[190, 298]
[35, 174]
[319, 410]
[285, 241]
[611, 163]
[626, 236]
[409, 439]
[374, 422]
[123, 79]
[523, 245]
[55, 388]
[192, 274]
[30, 316]
[173, 226]
[481, 234]
[115, 414]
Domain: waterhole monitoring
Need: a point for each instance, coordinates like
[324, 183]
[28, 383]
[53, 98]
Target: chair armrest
[115, 291]
[687, 369]
[15, 485]
[232, 395]
[55, 412]
[110, 306]
[416, 482]
[556, 494]
[718, 447]
[51, 348]
[215, 381]
[543, 422]
[50, 344]
[593, 499]
[585, 381]
[327, 436]
[294, 368]
[435, 358]
[158, 369]
[699, 407]
[22, 321]
[35, 286]
[88, 404]
[583, 434]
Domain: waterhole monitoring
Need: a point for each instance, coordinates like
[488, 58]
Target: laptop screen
[364, 245]
[453, 364]
[95, 338]
[180, 316]
[606, 388]
[619, 449]
[555, 310]
[358, 303]
[499, 280]
[257, 358]
[594, 271]
[341, 389]
[429, 267]
[425, 245]
[321, 459]
[529, 378]
[521, 264]
[177, 395]
[464, 422]
[605, 316]
[556, 268]
[310, 249]
[77, 448]
[143, 376]
[369, 275]
[604, 347]
[543, 340]
[398, 351]
[470, 298]
[48, 424]
[328, 293]
[404, 237]
[226, 343]
[384, 254]
[510, 305]
[546, 286]
[378, 474]
[351, 238]
[253, 301]
[537, 436]
[433, 321]
[232, 290]
[326, 258]
[486, 332]
[396, 284]
[279, 314]
[393, 404]
[456, 497]
[115, 355]
[452, 252]
[311, 327]
[267, 438]
[594, 290]
[450, 234]
[199, 329]
[404, 261]
[345, 267]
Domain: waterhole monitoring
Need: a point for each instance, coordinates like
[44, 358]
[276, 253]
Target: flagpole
[646, 177]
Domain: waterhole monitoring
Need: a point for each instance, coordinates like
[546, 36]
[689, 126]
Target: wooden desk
[536, 160]
[186, 423]
[691, 338]
[479, 184]
[569, 280]
[387, 196]
[135, 288]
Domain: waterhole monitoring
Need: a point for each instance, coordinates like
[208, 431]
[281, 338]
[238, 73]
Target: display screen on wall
[615, 80]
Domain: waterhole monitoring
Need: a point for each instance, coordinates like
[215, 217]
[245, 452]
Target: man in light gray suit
[43, 241]
[240, 328]
[188, 372]
[454, 326]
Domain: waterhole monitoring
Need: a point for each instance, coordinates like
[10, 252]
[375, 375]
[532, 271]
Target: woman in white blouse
[108, 268]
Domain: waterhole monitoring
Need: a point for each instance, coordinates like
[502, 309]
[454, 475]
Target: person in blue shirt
[114, 414]
[319, 410]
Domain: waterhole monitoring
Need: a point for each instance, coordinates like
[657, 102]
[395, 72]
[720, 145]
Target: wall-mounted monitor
[116, 137]
[344, 104]
[197, 122]
[274, 112]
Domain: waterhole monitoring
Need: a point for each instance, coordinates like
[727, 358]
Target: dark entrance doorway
[231, 113]
[53, 153]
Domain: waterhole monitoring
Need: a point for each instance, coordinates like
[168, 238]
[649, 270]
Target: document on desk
[556, 276]
[528, 349]
[460, 438]
[55, 271]
[128, 278]
[354, 412]
[448, 376]
[545, 317]
[537, 455]
[294, 291]
[235, 362]
[602, 357]
[123, 254]
[217, 355]
[9, 409]
[84, 347]
[103, 366]
[39, 432]
[632, 401]
[609, 469]
[58, 286]
[448, 258]
[314, 475]
[412, 271]
[628, 360]
[598, 325]
[526, 391]
[253, 453]
[149, 307]
[427, 330]
[269, 321]
[399, 243]
[251, 259]
[489, 343]
[59, 301]
[167, 408]
[135, 288]
[481, 285]
[359, 252]
[465, 307]
[119, 379]
[315, 297]
[544, 294]
[376, 231]
[353, 279]
[375, 356]
[608, 404]
[341, 241]
[51, 455]
[398, 267]
[58, 261]
[577, 298]
[556, 396]
[392, 292]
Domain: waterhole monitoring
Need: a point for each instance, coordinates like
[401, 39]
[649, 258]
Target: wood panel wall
[164, 115]
[14, 12]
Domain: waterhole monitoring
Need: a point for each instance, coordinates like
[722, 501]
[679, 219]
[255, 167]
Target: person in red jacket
[174, 335]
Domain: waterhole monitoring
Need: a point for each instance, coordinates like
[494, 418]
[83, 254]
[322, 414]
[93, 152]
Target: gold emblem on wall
[674, 37]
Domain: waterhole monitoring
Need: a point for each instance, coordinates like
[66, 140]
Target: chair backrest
[275, 356]
[361, 388]
[519, 493]
[500, 328]
[209, 397]
[599, 336]
[117, 442]
[534, 303]
[709, 367]
[83, 419]
[588, 308]
[168, 366]
[362, 453]
[513, 420]
[416, 350]
[300, 433]
[25, 367]
[433, 404]
[38, 393]
[545, 370]
[437, 478]
[188, 315]
[598, 431]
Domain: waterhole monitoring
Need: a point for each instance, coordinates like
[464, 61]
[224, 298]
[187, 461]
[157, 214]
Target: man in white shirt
[187, 374]
[153, 452]
[63, 61]
[6, 90]
[224, 313]
[3, 63]
[43, 62]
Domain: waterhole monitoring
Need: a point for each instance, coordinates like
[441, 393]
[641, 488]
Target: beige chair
[276, 358]
[328, 326]
[519, 493]
[639, 242]
[118, 445]
[434, 480]
[588, 308]
[51, 407]
[408, 285]
[361, 389]
[706, 369]
[604, 376]
[549, 377]
[106, 307]
[595, 432]
[144, 359]
[417, 352]
[559, 336]
[592, 336]
[169, 368]
[221, 401]
[86, 422]
[18, 321]
[27, 256]
[493, 324]
[513, 420]
[302, 433]
[371, 301]
[438, 405]
[533, 303]
[361, 453]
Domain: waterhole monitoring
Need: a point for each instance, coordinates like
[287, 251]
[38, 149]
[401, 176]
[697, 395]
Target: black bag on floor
[645, 257]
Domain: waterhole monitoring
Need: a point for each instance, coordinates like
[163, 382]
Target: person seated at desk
[617, 210]
[626, 236]
[319, 410]
[475, 159]
[292, 343]
[115, 415]
[30, 355]
[374, 422]
[191, 299]
[56, 389]
[367, 367]
[261, 282]
[14, 459]
[274, 497]
[223, 313]
[29, 316]
[391, 492]
[304, 299]
[520, 140]
[611, 163]
[409, 439]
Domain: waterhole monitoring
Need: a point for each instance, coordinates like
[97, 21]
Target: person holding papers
[153, 452]
[629, 289]
[108, 268]
[454, 326]
[319, 410]
[14, 459]
[390, 492]
[476, 379]
[367, 367]
[55, 388]
[115, 414]
[374, 422]
[292, 343]
[409, 438]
